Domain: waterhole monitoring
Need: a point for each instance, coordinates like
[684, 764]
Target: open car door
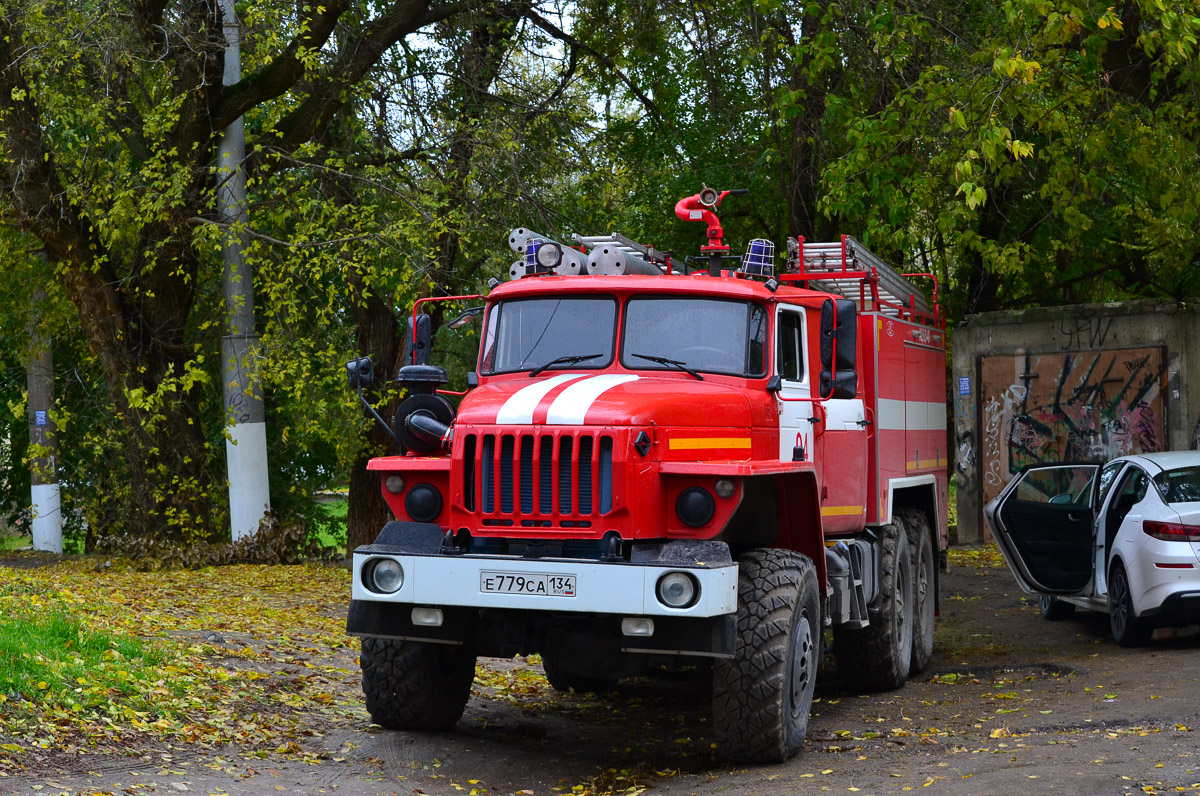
[1043, 522]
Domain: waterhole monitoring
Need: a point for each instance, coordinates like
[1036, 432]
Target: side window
[1106, 481]
[1138, 485]
[790, 348]
[1129, 494]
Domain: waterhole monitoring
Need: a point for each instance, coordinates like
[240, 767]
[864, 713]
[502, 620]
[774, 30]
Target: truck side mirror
[417, 344]
[839, 341]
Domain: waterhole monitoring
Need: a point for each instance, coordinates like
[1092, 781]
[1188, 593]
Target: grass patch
[56, 663]
[8, 542]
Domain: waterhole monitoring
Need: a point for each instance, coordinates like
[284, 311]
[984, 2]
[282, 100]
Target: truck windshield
[528, 334]
[703, 334]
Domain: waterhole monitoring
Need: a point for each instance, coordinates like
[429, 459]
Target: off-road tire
[878, 657]
[1127, 629]
[1054, 609]
[414, 685]
[920, 543]
[563, 680]
[762, 696]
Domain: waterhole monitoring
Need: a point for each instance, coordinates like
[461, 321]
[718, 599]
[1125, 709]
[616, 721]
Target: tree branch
[282, 73]
[549, 27]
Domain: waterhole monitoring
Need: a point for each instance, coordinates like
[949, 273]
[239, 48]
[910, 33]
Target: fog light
[695, 506]
[637, 626]
[385, 576]
[677, 590]
[394, 484]
[427, 617]
[724, 488]
[423, 503]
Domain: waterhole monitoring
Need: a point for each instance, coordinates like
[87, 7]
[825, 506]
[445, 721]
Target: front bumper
[605, 592]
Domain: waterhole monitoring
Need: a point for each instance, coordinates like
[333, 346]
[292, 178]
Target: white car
[1123, 537]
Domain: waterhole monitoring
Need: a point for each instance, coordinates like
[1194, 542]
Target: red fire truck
[663, 464]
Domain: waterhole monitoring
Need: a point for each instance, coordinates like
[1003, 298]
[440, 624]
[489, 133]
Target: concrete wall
[1086, 382]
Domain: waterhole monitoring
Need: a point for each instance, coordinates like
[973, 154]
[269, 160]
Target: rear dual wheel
[920, 543]
[879, 656]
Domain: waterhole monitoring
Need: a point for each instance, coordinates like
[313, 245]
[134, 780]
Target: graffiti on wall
[1087, 406]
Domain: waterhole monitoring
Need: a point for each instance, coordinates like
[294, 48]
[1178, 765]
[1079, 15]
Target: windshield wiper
[675, 363]
[567, 360]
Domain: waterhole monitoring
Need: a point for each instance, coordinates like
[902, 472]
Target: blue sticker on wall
[964, 385]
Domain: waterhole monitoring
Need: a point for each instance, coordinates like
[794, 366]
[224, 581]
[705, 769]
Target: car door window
[1044, 527]
[1107, 477]
[790, 354]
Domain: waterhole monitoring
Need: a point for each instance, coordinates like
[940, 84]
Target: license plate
[537, 584]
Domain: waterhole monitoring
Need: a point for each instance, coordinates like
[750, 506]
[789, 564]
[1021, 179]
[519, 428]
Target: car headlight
[384, 576]
[677, 590]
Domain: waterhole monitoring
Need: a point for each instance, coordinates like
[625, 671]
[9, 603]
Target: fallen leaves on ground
[241, 654]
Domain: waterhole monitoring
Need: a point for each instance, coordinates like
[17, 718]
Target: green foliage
[1032, 151]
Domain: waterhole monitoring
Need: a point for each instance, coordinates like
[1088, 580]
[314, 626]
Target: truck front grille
[538, 478]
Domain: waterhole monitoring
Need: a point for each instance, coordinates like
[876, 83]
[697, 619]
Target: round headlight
[725, 488]
[677, 590]
[386, 576]
[423, 503]
[695, 506]
[394, 484]
[548, 255]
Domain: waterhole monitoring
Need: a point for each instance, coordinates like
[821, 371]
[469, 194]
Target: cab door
[794, 398]
[1044, 524]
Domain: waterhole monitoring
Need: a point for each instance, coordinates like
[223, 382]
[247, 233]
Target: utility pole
[43, 473]
[245, 419]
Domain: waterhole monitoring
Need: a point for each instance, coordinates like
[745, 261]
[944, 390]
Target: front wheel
[1054, 609]
[878, 657]
[414, 685]
[762, 696]
[1127, 629]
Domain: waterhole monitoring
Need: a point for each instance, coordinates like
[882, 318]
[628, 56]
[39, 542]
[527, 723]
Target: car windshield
[530, 334]
[1181, 485]
[698, 334]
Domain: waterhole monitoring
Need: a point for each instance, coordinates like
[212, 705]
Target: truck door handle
[863, 423]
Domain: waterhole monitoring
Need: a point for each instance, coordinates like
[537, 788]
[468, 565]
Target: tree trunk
[377, 330]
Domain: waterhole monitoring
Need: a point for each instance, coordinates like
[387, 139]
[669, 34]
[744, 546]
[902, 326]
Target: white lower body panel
[601, 588]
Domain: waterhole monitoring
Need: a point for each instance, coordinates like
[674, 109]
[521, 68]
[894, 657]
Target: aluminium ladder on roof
[848, 265]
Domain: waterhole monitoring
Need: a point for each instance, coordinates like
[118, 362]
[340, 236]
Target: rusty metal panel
[1072, 406]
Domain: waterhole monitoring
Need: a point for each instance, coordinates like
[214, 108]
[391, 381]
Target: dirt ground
[1010, 703]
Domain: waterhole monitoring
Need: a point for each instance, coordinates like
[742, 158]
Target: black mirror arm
[386, 427]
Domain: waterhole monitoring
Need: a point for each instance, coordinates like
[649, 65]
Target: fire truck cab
[655, 467]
